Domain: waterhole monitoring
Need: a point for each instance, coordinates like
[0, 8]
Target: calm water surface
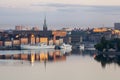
[77, 65]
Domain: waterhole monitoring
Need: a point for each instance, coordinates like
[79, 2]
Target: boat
[81, 46]
[64, 51]
[37, 46]
[65, 46]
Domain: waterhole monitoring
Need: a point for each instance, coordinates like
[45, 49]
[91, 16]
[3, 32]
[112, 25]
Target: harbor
[59, 40]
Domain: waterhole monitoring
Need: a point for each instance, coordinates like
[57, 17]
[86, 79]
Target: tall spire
[45, 25]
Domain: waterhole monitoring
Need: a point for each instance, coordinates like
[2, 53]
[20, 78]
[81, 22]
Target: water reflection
[51, 55]
[43, 55]
[105, 59]
[83, 52]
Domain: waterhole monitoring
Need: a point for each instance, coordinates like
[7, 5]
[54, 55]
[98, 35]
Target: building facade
[117, 26]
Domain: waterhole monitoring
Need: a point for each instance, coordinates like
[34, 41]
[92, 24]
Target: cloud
[77, 7]
[59, 8]
[5, 11]
[61, 13]
[56, 5]
[104, 8]
[67, 10]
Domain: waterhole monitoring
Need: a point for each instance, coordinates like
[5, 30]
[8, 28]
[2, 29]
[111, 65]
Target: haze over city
[60, 13]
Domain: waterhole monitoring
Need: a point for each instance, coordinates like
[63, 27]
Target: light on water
[73, 65]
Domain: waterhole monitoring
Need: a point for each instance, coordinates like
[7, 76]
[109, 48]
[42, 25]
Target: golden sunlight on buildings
[16, 42]
[59, 33]
[24, 40]
[116, 32]
[32, 40]
[100, 29]
[43, 39]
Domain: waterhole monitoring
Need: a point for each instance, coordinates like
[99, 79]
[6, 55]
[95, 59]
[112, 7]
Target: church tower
[45, 25]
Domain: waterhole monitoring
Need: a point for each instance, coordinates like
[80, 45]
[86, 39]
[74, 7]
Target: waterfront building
[78, 36]
[16, 42]
[18, 28]
[1, 43]
[8, 43]
[39, 36]
[58, 34]
[100, 29]
[35, 28]
[24, 40]
[117, 26]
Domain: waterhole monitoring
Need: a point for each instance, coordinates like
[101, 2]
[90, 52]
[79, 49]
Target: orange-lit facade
[116, 32]
[57, 42]
[37, 40]
[24, 40]
[8, 43]
[58, 33]
[50, 42]
[100, 29]
[43, 40]
[16, 42]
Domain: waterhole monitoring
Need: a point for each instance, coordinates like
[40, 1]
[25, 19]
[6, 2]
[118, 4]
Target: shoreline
[109, 53]
[10, 48]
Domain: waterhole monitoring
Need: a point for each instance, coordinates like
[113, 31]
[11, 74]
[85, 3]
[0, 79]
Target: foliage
[105, 45]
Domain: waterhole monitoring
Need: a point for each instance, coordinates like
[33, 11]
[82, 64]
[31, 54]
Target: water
[77, 65]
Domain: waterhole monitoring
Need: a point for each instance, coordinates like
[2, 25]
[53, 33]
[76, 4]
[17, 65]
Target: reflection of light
[43, 56]
[94, 55]
[32, 64]
[63, 51]
[32, 35]
[17, 36]
[32, 58]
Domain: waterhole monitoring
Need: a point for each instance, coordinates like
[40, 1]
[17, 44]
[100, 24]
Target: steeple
[45, 25]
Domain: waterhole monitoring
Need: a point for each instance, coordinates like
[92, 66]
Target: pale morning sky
[60, 13]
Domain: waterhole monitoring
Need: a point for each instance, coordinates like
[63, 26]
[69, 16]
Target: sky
[59, 13]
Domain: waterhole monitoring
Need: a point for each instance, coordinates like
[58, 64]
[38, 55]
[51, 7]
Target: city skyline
[60, 13]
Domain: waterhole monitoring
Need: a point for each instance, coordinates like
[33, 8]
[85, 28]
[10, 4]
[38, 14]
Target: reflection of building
[51, 56]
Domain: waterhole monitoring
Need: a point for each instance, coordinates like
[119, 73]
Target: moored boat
[37, 46]
[81, 46]
[65, 46]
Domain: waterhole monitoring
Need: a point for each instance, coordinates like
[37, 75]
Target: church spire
[45, 25]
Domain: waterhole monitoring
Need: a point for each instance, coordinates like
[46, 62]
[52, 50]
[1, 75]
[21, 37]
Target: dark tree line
[105, 45]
